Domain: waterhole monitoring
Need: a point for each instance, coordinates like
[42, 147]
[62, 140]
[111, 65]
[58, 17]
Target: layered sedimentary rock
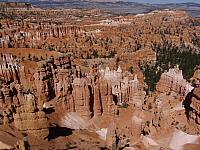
[57, 83]
[192, 101]
[60, 81]
[33, 36]
[54, 70]
[29, 119]
[9, 68]
[81, 95]
[107, 97]
[92, 99]
[173, 81]
[21, 108]
[126, 90]
[94, 95]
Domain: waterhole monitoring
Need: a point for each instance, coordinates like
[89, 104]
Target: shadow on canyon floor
[55, 132]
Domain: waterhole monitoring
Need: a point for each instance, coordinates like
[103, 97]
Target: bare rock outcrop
[124, 89]
[29, 119]
[173, 81]
[81, 95]
[192, 100]
[9, 68]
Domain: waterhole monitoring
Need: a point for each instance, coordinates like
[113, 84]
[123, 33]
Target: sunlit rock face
[29, 118]
[92, 98]
[79, 98]
[55, 74]
[124, 89]
[33, 36]
[24, 91]
[9, 68]
[173, 81]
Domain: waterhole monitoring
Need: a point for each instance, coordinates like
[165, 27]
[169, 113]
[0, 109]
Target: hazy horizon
[138, 1]
[164, 2]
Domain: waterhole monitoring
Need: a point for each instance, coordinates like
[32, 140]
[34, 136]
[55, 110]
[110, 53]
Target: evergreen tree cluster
[169, 55]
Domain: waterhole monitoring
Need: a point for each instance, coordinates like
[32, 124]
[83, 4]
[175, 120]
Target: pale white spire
[119, 70]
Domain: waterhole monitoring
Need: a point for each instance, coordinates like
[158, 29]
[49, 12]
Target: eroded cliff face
[57, 83]
[173, 81]
[124, 89]
[19, 105]
[192, 101]
[87, 84]
[29, 119]
[9, 69]
[81, 100]
[26, 89]
[34, 36]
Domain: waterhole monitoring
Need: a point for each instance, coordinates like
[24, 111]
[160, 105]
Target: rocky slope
[78, 79]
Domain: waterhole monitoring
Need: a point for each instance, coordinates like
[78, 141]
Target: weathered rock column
[97, 101]
[81, 96]
[30, 119]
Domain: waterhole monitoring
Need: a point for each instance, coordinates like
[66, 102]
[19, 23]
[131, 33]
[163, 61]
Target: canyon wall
[173, 81]
[192, 101]
[28, 88]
